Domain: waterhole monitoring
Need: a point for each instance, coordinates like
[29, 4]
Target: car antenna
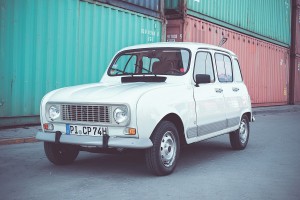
[223, 41]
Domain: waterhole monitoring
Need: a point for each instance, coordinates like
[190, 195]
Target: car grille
[86, 113]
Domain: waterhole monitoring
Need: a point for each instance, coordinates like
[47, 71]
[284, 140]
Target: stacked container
[47, 45]
[258, 37]
[295, 54]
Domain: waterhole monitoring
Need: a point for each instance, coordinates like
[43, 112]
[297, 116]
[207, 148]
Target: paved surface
[18, 135]
[27, 133]
[267, 169]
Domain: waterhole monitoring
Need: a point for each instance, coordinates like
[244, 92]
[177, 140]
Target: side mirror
[202, 78]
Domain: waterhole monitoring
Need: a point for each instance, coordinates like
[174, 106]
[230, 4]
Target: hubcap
[168, 149]
[243, 131]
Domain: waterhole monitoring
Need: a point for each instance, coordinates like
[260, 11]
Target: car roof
[188, 45]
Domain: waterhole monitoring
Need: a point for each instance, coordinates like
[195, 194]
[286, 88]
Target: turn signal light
[47, 126]
[131, 131]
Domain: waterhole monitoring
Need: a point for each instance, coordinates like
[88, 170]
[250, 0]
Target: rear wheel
[161, 159]
[61, 154]
[239, 138]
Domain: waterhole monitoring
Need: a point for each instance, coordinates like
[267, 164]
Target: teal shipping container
[46, 45]
[151, 8]
[269, 20]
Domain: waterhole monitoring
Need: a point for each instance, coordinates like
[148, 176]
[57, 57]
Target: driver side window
[204, 65]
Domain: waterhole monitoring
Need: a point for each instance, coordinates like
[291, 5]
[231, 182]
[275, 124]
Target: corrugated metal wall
[297, 57]
[295, 54]
[264, 19]
[46, 45]
[172, 4]
[297, 81]
[151, 8]
[265, 66]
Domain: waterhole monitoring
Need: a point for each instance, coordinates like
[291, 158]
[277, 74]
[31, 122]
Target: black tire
[239, 138]
[61, 154]
[162, 157]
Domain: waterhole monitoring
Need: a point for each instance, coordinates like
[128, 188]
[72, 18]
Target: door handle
[218, 90]
[235, 89]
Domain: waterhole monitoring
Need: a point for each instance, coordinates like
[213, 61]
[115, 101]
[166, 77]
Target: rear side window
[224, 67]
[237, 71]
[204, 65]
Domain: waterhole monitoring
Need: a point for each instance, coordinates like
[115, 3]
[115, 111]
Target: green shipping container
[172, 4]
[269, 20]
[46, 45]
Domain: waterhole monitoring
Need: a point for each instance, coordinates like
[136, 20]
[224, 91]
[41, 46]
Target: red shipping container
[297, 81]
[295, 54]
[265, 66]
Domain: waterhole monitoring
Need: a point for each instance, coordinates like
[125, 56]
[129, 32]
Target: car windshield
[157, 61]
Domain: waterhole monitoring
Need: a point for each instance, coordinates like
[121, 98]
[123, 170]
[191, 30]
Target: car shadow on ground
[132, 162]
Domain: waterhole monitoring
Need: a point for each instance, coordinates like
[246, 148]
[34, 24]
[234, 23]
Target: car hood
[105, 93]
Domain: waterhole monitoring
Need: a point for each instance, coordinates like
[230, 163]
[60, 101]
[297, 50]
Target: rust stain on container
[264, 65]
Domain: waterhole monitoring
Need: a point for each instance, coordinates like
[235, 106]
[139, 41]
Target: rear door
[231, 90]
[210, 108]
[239, 87]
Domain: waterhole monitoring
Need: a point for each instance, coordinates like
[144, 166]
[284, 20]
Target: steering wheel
[141, 67]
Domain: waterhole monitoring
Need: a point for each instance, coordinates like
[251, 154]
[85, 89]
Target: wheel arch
[176, 120]
[249, 115]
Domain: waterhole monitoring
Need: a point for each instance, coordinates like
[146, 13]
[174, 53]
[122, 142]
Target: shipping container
[296, 65]
[295, 54]
[265, 66]
[151, 8]
[46, 45]
[266, 20]
[297, 27]
[173, 8]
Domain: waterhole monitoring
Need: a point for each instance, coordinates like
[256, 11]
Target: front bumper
[113, 142]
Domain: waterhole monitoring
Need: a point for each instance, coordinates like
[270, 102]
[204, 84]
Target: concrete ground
[267, 169]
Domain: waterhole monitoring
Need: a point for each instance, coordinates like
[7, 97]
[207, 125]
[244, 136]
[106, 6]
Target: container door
[209, 99]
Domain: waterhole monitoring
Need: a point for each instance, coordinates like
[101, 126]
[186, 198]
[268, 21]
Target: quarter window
[237, 71]
[224, 68]
[204, 65]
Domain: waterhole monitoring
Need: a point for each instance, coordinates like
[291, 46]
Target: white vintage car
[155, 97]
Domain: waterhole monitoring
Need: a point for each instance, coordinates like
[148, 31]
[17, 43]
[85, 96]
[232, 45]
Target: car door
[239, 87]
[210, 108]
[230, 88]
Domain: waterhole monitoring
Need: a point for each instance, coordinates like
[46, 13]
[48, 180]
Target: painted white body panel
[149, 103]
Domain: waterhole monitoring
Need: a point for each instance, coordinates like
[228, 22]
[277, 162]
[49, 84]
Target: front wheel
[61, 154]
[161, 159]
[239, 138]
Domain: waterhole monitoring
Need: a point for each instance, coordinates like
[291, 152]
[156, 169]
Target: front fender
[156, 104]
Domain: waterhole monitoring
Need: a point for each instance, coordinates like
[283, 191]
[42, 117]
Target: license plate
[85, 130]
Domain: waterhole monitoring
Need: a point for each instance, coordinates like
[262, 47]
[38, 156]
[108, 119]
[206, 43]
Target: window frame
[224, 54]
[117, 56]
[239, 69]
[211, 57]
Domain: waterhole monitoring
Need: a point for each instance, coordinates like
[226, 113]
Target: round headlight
[54, 112]
[120, 114]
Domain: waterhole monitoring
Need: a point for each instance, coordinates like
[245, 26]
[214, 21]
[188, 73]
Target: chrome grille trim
[86, 113]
